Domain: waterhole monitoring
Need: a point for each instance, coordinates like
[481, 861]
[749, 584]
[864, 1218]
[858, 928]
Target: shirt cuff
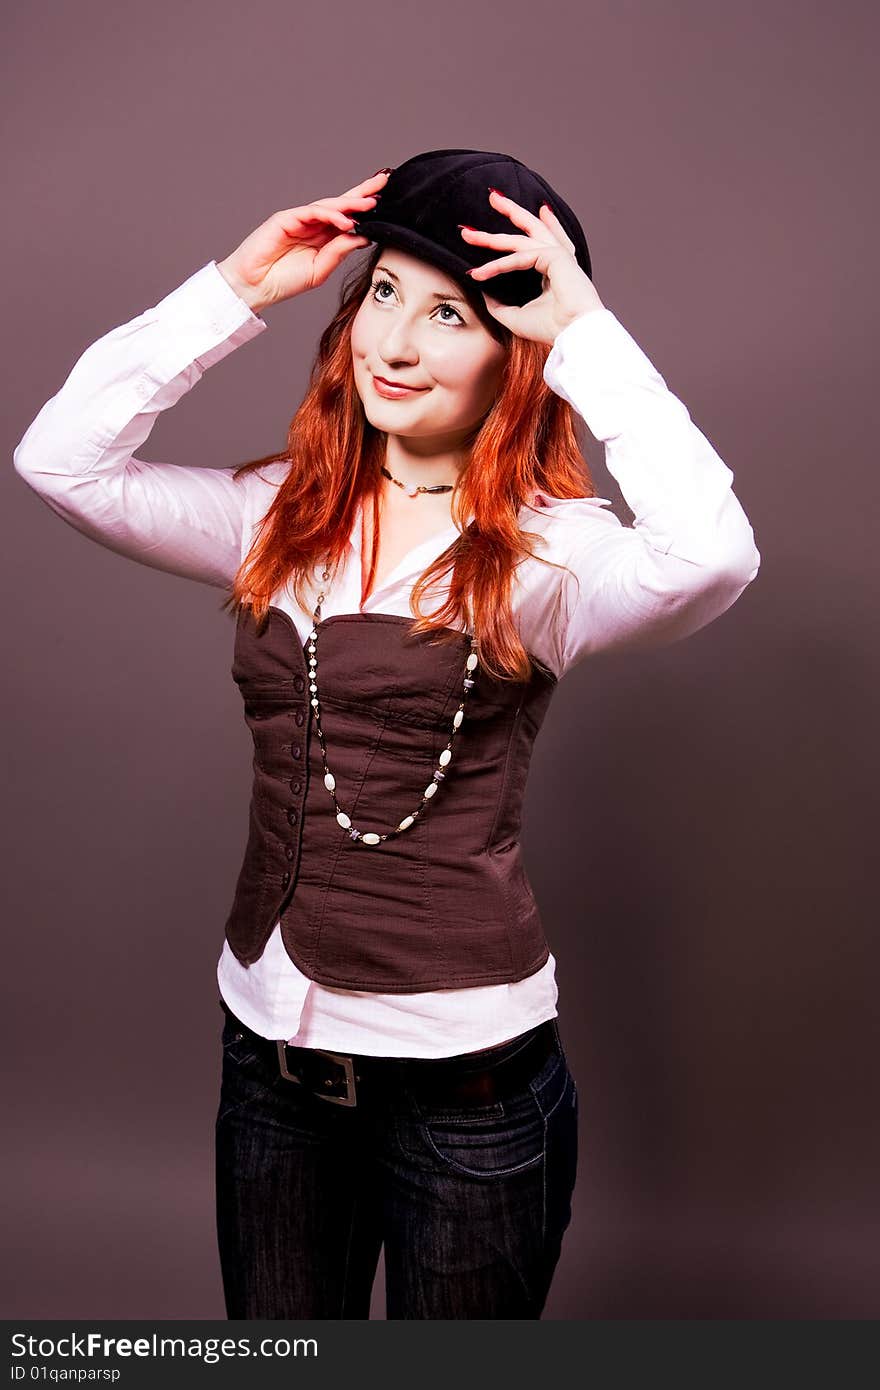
[594, 364]
[204, 321]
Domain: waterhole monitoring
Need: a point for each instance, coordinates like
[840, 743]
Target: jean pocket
[239, 1048]
[549, 1085]
[489, 1141]
[246, 1076]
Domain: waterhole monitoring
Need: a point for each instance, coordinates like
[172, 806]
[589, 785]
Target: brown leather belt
[478, 1078]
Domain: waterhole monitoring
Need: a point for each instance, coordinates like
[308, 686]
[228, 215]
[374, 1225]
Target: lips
[393, 390]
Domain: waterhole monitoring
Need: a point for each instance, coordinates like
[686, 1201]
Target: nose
[398, 345]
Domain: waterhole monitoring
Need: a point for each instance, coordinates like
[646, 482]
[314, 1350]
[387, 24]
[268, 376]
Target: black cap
[425, 198]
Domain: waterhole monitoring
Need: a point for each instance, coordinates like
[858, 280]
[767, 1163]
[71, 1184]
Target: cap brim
[423, 247]
[516, 287]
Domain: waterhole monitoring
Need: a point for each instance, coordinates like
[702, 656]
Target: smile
[393, 393]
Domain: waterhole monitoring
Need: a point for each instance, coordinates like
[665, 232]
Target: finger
[339, 218]
[362, 203]
[552, 221]
[330, 255]
[503, 240]
[377, 180]
[517, 214]
[314, 214]
[311, 212]
[359, 202]
[497, 307]
[520, 260]
[380, 176]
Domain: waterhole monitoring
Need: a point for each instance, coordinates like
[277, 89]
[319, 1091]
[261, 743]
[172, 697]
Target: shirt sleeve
[690, 552]
[78, 455]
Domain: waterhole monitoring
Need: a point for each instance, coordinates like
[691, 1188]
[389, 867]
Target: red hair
[525, 442]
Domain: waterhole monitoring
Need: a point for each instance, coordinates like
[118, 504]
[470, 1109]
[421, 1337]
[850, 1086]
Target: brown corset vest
[447, 903]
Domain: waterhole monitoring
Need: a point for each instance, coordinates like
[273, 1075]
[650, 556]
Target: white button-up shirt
[687, 557]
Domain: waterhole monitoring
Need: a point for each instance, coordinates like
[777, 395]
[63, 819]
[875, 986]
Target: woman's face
[416, 327]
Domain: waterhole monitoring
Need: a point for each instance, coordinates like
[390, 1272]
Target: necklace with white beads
[371, 837]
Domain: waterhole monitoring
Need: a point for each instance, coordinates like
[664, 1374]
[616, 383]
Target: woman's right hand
[297, 249]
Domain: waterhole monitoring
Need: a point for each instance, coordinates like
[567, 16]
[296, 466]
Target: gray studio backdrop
[698, 829]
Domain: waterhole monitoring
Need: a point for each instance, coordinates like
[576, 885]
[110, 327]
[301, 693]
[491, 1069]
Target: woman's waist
[486, 1077]
[276, 1000]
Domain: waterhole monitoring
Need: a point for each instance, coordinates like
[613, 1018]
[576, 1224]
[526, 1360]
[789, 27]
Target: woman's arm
[690, 552]
[78, 454]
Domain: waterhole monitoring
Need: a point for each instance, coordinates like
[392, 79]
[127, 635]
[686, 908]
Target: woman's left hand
[544, 246]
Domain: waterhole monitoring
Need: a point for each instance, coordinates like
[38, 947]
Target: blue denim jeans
[470, 1202]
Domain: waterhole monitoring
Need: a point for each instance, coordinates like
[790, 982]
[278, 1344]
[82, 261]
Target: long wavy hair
[525, 441]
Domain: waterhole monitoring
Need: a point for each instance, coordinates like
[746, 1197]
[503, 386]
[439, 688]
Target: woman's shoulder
[262, 483]
[270, 474]
[262, 486]
[547, 513]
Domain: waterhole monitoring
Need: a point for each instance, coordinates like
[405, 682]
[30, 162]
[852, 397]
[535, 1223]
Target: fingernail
[549, 205]
[498, 191]
[388, 170]
[465, 226]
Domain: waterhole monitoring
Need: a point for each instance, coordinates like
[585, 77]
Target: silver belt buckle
[350, 1097]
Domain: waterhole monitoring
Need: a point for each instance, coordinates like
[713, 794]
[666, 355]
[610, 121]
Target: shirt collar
[420, 556]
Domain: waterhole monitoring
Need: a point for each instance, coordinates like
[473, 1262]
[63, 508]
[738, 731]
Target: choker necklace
[371, 837]
[414, 491]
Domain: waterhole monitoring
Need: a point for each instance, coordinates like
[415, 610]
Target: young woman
[410, 579]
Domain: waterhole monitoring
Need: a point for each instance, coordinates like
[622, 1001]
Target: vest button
[298, 683]
[296, 750]
[300, 716]
[293, 815]
[289, 851]
[295, 786]
[285, 878]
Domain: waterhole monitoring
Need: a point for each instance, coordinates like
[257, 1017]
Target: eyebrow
[458, 297]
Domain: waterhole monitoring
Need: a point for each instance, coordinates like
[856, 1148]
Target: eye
[382, 284]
